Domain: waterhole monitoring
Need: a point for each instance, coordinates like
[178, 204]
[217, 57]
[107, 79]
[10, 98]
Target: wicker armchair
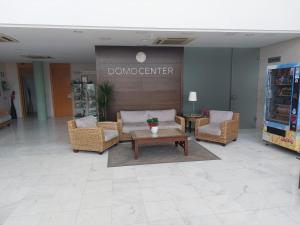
[92, 139]
[229, 130]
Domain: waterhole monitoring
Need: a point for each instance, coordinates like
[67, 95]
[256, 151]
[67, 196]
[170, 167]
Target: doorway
[61, 89]
[27, 90]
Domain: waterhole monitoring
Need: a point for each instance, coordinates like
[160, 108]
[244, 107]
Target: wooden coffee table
[164, 135]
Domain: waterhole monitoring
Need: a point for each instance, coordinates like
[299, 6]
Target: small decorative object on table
[153, 124]
[205, 112]
[191, 118]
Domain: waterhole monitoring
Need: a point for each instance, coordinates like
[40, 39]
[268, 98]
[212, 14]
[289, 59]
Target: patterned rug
[122, 155]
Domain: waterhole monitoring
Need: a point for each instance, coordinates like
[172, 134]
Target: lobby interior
[224, 60]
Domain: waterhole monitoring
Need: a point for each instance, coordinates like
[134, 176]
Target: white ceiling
[78, 46]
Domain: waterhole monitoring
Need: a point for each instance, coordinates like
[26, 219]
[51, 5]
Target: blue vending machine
[281, 119]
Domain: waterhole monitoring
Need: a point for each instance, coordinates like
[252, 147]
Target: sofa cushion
[133, 116]
[169, 125]
[86, 122]
[110, 134]
[4, 118]
[129, 127]
[162, 115]
[211, 128]
[217, 117]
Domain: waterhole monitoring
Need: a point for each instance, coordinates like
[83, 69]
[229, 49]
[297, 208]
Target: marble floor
[42, 182]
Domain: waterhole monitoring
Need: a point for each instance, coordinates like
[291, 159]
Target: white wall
[190, 14]
[289, 52]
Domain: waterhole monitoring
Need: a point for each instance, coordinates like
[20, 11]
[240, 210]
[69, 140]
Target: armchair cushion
[218, 117]
[163, 115]
[169, 125]
[86, 122]
[133, 116]
[211, 128]
[110, 134]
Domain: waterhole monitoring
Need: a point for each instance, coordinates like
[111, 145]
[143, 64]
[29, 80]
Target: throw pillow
[86, 122]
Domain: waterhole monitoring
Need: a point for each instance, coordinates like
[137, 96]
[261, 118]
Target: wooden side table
[191, 118]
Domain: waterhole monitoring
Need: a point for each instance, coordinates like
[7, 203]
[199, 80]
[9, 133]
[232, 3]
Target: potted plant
[153, 124]
[105, 91]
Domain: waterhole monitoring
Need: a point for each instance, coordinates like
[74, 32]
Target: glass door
[279, 95]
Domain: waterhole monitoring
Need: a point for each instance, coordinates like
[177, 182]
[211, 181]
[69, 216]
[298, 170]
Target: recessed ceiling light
[78, 31]
[144, 40]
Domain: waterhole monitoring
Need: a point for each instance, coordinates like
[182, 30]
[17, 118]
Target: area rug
[122, 155]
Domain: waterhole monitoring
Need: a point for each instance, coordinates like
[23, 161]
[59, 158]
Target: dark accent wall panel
[155, 83]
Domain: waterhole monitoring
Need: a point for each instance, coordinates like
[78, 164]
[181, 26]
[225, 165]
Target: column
[39, 83]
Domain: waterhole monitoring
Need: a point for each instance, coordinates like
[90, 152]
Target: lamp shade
[192, 96]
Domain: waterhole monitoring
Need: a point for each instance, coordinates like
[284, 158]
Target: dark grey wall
[207, 71]
[216, 73]
[245, 70]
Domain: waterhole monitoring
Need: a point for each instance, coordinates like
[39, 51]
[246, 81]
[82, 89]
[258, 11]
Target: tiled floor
[42, 182]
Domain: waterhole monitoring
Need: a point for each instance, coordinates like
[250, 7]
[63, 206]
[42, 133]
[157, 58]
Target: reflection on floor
[43, 182]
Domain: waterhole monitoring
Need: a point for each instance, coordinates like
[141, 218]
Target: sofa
[5, 118]
[129, 121]
[98, 138]
[221, 127]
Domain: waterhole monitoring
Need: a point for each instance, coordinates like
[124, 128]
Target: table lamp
[193, 98]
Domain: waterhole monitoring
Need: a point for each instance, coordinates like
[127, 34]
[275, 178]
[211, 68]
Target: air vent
[172, 41]
[275, 59]
[37, 56]
[5, 38]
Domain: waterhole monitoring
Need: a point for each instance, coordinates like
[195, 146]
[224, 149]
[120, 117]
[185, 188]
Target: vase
[154, 130]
